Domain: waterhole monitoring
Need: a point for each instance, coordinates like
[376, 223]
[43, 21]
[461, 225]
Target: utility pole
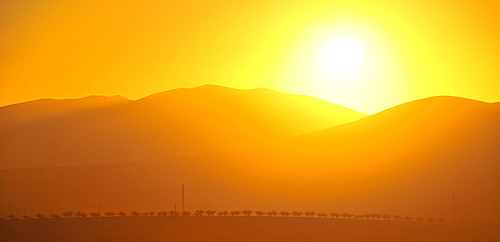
[183, 205]
[454, 208]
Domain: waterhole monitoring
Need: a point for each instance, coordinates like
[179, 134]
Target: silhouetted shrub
[68, 214]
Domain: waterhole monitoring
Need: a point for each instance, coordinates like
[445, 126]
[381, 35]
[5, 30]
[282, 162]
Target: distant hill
[180, 122]
[415, 156]
[446, 127]
[423, 119]
[44, 109]
[407, 160]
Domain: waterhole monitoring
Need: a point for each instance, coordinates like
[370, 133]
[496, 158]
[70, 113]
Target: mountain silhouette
[417, 154]
[409, 159]
[43, 109]
[414, 121]
[180, 122]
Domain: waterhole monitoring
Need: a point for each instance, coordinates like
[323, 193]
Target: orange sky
[70, 49]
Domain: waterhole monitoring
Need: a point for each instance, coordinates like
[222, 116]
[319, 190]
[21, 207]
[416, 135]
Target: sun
[342, 56]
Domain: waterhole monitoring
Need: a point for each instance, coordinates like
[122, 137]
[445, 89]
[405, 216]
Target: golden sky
[410, 49]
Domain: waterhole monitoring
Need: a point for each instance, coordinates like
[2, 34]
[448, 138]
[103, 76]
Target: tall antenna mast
[183, 208]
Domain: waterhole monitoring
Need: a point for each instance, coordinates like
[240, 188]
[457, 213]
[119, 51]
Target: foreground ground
[234, 229]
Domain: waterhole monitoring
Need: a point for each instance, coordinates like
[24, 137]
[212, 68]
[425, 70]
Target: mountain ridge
[179, 122]
[422, 151]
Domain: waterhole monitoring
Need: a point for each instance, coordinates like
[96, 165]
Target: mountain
[43, 109]
[175, 123]
[414, 122]
[412, 159]
[419, 154]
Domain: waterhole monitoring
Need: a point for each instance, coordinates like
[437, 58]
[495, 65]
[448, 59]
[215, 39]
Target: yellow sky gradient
[412, 49]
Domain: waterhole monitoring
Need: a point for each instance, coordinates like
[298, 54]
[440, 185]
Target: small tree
[284, 213]
[173, 213]
[151, 213]
[162, 213]
[109, 214]
[408, 219]
[135, 213]
[419, 219]
[334, 215]
[430, 220]
[95, 215]
[80, 214]
[145, 214]
[68, 214]
[322, 215]
[272, 213]
[40, 216]
[12, 217]
[310, 214]
[122, 214]
[210, 212]
[260, 213]
[296, 214]
[223, 213]
[199, 212]
[386, 216]
[247, 212]
[54, 216]
[186, 213]
[235, 213]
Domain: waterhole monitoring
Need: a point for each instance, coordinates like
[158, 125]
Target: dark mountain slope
[181, 122]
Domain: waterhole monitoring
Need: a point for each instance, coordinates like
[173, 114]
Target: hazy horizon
[209, 84]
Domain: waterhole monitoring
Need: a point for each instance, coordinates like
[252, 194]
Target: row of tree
[272, 213]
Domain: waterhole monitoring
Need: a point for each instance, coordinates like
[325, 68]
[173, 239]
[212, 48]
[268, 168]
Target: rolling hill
[410, 159]
[175, 123]
[419, 154]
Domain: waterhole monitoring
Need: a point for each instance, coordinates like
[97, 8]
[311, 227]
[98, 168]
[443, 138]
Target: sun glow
[403, 51]
[342, 56]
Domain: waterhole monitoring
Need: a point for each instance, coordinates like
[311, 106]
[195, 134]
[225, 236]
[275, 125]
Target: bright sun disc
[342, 56]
